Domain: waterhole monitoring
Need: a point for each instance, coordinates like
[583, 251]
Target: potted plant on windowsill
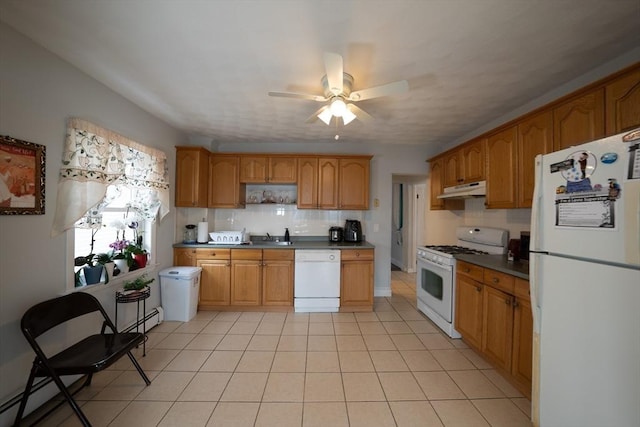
[136, 256]
[92, 268]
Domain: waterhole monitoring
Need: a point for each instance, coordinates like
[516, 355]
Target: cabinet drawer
[522, 289]
[498, 280]
[277, 255]
[356, 254]
[247, 254]
[470, 270]
[213, 253]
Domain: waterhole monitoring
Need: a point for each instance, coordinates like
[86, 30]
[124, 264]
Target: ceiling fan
[339, 96]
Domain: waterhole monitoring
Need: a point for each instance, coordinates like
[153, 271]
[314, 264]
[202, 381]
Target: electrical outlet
[376, 203]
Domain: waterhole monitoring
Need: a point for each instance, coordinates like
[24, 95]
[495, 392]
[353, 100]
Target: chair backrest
[51, 313]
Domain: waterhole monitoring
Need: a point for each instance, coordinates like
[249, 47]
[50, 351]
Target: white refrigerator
[585, 285]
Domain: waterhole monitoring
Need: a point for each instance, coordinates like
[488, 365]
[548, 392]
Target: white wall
[39, 91]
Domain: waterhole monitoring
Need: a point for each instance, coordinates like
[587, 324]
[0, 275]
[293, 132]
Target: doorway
[407, 220]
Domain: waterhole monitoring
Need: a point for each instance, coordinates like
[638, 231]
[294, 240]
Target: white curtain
[94, 159]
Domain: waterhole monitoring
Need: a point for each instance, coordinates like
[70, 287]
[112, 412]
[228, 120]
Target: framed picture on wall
[22, 177]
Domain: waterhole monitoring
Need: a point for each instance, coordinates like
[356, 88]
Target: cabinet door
[356, 282]
[497, 327]
[327, 183]
[225, 190]
[501, 169]
[184, 257]
[468, 318]
[535, 136]
[246, 282]
[436, 181]
[253, 169]
[191, 176]
[354, 184]
[473, 161]
[579, 120]
[282, 170]
[215, 282]
[522, 343]
[623, 103]
[453, 169]
[277, 277]
[307, 183]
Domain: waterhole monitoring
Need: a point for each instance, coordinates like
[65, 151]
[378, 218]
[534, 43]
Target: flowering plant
[118, 248]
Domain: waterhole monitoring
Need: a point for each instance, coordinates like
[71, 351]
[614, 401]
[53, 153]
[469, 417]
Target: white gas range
[436, 271]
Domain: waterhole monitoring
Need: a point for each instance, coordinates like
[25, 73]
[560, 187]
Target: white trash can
[179, 290]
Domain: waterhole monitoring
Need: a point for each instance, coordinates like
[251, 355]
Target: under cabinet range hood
[465, 191]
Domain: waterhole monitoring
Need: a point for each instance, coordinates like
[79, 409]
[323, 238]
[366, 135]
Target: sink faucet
[268, 237]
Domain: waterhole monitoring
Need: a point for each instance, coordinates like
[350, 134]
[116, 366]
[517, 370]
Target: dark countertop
[498, 262]
[298, 243]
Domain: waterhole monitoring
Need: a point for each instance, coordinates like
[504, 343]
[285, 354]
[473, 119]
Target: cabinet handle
[478, 288]
[515, 304]
[467, 270]
[508, 301]
[495, 280]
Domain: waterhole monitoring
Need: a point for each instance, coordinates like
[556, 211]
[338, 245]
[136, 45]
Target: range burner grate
[454, 250]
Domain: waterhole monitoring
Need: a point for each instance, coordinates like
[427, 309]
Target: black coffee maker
[352, 231]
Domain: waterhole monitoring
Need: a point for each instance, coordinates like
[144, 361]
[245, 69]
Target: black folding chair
[86, 357]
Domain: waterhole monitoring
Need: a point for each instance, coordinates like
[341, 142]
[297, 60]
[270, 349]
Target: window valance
[94, 159]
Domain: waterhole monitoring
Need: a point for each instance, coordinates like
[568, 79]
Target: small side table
[123, 297]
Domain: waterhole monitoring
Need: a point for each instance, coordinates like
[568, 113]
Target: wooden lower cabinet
[356, 278]
[469, 310]
[246, 276]
[185, 257]
[498, 324]
[215, 280]
[277, 277]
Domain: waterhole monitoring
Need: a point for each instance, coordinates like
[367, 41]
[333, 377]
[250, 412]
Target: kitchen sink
[274, 243]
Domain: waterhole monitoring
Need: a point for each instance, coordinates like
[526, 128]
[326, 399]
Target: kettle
[189, 234]
[335, 234]
[352, 231]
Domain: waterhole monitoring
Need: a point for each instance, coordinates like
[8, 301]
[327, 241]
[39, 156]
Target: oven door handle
[433, 264]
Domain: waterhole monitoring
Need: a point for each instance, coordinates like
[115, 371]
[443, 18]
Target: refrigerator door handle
[534, 243]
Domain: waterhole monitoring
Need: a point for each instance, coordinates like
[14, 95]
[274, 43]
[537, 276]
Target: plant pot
[141, 260]
[122, 265]
[108, 272]
[92, 275]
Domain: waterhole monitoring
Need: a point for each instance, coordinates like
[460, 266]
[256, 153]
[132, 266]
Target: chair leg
[139, 368]
[25, 396]
[63, 389]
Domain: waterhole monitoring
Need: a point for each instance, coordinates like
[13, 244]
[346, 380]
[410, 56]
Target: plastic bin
[179, 289]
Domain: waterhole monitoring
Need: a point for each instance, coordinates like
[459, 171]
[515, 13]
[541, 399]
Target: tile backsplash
[272, 218]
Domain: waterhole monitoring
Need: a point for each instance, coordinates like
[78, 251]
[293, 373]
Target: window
[107, 177]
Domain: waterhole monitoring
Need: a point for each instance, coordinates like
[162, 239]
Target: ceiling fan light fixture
[338, 107]
[326, 116]
[348, 117]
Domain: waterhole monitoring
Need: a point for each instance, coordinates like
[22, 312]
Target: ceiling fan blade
[378, 91]
[314, 117]
[360, 113]
[333, 65]
[317, 98]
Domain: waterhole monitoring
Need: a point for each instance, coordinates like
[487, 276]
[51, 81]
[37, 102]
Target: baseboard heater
[151, 319]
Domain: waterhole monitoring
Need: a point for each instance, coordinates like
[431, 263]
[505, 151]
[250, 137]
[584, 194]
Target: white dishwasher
[317, 280]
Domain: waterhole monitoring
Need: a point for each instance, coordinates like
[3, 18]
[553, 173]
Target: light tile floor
[392, 367]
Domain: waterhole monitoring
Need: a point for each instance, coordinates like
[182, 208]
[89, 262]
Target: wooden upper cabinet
[327, 183]
[225, 190]
[473, 160]
[501, 169]
[354, 183]
[308, 183]
[579, 120]
[191, 176]
[436, 185]
[535, 136]
[465, 164]
[268, 169]
[622, 103]
[452, 164]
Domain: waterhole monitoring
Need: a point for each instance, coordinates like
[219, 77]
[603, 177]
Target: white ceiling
[206, 66]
